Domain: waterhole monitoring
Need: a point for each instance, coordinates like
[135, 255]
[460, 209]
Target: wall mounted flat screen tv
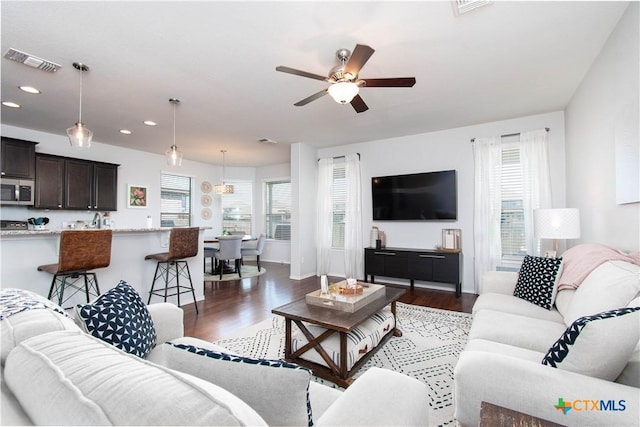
[429, 196]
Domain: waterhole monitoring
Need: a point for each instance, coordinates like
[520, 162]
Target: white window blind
[339, 200]
[237, 208]
[175, 200]
[278, 210]
[512, 215]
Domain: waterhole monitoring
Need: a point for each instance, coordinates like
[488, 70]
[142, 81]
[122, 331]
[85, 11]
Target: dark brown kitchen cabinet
[49, 186]
[18, 158]
[86, 185]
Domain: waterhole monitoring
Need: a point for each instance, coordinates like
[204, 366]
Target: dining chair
[210, 253]
[172, 265]
[79, 252]
[230, 249]
[257, 251]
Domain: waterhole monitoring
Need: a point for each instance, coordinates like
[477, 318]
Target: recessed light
[29, 89]
[125, 131]
[149, 123]
[10, 104]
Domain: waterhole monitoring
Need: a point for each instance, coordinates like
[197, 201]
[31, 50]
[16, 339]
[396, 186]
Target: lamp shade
[556, 223]
[343, 92]
[174, 156]
[79, 136]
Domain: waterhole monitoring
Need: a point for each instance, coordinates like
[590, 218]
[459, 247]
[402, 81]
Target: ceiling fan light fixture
[79, 135]
[343, 92]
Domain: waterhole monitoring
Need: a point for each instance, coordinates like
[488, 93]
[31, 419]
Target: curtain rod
[342, 157]
[510, 134]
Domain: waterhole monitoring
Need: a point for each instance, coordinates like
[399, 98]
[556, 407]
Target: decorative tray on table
[347, 299]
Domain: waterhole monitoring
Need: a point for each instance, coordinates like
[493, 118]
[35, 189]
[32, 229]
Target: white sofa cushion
[25, 315]
[120, 317]
[277, 390]
[512, 329]
[598, 346]
[514, 305]
[612, 285]
[70, 378]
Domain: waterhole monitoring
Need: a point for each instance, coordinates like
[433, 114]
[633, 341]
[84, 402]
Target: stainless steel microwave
[17, 192]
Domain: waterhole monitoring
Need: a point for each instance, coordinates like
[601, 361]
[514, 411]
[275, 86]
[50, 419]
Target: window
[339, 201]
[175, 200]
[512, 233]
[277, 198]
[236, 208]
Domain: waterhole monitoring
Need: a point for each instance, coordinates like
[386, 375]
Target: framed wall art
[137, 196]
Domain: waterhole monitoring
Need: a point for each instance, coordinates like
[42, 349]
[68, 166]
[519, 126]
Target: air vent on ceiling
[464, 6]
[267, 141]
[31, 61]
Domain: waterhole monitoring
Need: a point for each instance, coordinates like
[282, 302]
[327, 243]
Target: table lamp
[556, 224]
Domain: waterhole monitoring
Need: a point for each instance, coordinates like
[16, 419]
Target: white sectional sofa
[597, 384]
[54, 373]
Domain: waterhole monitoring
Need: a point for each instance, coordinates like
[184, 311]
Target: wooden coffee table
[334, 321]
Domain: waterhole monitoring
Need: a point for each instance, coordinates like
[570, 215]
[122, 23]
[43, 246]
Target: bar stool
[80, 251]
[183, 243]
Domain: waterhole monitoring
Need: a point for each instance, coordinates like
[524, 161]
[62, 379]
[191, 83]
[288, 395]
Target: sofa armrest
[168, 319]
[535, 389]
[380, 397]
[499, 282]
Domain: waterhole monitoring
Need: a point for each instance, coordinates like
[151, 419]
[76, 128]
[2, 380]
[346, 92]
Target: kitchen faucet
[97, 220]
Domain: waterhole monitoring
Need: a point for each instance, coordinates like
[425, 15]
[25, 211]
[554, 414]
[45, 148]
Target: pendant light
[80, 135]
[223, 188]
[173, 154]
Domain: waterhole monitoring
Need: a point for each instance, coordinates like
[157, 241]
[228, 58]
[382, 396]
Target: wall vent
[464, 6]
[31, 61]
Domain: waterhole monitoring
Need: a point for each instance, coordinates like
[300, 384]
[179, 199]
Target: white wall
[443, 150]
[608, 92]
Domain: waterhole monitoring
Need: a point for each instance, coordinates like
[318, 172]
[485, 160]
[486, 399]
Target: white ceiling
[509, 59]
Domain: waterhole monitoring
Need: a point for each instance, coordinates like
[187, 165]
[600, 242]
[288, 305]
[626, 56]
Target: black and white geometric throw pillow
[599, 345]
[121, 318]
[537, 280]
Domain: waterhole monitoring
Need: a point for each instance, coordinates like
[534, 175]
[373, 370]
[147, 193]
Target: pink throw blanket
[579, 261]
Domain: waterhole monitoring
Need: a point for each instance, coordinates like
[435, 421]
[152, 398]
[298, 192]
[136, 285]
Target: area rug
[246, 270]
[428, 350]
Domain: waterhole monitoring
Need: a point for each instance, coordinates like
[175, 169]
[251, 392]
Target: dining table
[226, 268]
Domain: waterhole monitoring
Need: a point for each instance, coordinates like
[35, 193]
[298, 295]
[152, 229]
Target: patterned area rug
[246, 270]
[428, 351]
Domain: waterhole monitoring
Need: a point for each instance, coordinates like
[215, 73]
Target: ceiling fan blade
[301, 73]
[359, 57]
[390, 82]
[313, 97]
[358, 104]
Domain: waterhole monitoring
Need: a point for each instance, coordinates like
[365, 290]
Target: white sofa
[509, 337]
[53, 373]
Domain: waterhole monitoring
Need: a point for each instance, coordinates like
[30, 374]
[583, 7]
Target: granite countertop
[57, 231]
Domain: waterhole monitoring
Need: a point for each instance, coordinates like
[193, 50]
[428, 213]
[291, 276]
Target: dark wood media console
[414, 264]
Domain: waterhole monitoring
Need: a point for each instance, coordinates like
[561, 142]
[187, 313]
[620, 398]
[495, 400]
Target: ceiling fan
[344, 80]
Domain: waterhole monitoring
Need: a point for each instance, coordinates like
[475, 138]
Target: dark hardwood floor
[229, 307]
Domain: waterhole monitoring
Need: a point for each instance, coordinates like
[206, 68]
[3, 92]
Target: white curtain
[487, 154]
[536, 179]
[325, 215]
[353, 242]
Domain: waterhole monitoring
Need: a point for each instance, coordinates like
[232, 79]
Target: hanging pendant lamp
[223, 188]
[173, 154]
[80, 135]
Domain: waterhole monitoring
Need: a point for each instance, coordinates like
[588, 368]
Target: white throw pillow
[610, 286]
[598, 346]
[277, 390]
[70, 378]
